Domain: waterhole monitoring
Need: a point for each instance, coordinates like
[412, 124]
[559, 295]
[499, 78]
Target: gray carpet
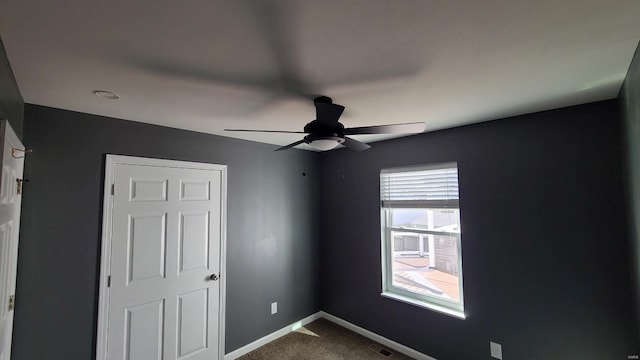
[323, 340]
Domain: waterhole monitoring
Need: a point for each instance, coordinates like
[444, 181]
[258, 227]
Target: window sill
[424, 304]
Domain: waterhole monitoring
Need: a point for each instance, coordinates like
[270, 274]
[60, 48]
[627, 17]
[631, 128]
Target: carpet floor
[323, 340]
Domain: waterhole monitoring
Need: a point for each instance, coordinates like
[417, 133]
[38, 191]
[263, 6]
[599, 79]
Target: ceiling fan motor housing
[324, 129]
[318, 130]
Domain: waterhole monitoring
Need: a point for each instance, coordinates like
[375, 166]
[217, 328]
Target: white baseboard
[271, 337]
[321, 314]
[377, 338]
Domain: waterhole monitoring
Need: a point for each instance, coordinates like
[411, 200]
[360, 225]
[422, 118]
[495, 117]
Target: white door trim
[105, 258]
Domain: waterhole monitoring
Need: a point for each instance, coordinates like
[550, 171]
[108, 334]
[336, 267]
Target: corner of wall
[11, 102]
[629, 98]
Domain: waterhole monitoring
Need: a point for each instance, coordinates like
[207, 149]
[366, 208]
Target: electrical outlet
[274, 308]
[496, 350]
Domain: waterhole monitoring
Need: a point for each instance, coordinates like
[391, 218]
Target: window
[421, 237]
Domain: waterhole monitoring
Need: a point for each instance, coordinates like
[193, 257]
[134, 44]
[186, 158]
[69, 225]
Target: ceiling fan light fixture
[326, 143]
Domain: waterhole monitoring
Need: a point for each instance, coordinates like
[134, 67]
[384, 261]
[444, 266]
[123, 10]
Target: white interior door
[10, 200]
[164, 291]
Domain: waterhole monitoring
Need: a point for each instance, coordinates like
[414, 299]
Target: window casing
[421, 237]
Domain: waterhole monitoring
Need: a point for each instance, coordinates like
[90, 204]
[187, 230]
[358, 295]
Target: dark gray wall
[630, 101]
[545, 245]
[11, 103]
[271, 240]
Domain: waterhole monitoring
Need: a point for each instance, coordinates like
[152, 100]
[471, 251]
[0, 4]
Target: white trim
[105, 258]
[271, 337]
[425, 304]
[105, 262]
[334, 319]
[377, 338]
[222, 313]
[411, 168]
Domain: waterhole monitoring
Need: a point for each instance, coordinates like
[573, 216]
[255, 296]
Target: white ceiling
[207, 65]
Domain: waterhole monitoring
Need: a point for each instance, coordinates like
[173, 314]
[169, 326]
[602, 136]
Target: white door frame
[105, 258]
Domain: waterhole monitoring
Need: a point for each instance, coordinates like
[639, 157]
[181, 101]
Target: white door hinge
[113, 189]
[109, 281]
[12, 302]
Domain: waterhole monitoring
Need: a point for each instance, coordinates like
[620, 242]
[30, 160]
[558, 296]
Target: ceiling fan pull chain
[304, 159]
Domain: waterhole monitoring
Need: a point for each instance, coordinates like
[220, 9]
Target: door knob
[213, 277]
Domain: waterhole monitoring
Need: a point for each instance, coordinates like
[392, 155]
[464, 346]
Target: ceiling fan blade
[327, 112]
[268, 131]
[290, 145]
[275, 19]
[408, 128]
[355, 144]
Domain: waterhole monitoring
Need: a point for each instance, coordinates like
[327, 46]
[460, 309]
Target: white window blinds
[435, 184]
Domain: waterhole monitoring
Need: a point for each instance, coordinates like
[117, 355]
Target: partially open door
[13, 153]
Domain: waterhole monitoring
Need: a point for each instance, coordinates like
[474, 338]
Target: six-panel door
[166, 228]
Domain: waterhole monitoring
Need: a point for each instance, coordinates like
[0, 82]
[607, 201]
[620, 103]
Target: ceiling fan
[288, 76]
[326, 132]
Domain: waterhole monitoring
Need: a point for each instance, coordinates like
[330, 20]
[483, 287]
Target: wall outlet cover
[274, 308]
[496, 350]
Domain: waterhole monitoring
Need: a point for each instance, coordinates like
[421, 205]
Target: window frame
[435, 303]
